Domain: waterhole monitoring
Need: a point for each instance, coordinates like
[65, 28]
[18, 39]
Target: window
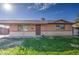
[60, 27]
[22, 28]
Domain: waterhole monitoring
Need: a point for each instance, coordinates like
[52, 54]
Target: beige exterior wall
[68, 27]
[51, 27]
[51, 33]
[46, 29]
[14, 27]
[54, 33]
[14, 34]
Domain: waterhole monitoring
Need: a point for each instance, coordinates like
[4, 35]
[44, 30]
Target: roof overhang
[34, 22]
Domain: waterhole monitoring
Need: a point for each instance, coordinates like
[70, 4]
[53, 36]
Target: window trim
[21, 28]
[59, 27]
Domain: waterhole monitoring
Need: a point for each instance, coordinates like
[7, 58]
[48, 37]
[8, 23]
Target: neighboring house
[76, 28]
[38, 27]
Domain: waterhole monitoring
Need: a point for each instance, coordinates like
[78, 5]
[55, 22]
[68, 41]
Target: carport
[4, 29]
[76, 29]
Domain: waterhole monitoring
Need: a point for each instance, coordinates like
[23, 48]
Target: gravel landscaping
[9, 42]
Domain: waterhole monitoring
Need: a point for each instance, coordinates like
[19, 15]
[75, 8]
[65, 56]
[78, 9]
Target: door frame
[38, 29]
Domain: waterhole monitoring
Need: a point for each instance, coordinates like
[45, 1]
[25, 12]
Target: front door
[38, 29]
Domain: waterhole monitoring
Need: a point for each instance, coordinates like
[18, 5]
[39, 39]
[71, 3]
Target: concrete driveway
[9, 42]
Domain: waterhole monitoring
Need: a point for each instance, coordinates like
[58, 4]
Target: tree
[43, 19]
[77, 20]
[77, 17]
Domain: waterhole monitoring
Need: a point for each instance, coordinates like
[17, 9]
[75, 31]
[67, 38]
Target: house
[37, 27]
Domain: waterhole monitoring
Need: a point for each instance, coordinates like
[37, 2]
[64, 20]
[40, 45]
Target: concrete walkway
[9, 42]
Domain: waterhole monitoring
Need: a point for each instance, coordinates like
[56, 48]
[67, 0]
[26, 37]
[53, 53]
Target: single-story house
[37, 27]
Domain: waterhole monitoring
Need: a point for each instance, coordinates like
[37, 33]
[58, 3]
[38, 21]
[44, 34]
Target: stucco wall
[51, 33]
[46, 29]
[54, 33]
[22, 34]
[14, 27]
[68, 27]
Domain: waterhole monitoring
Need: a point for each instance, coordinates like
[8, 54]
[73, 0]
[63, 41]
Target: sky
[36, 11]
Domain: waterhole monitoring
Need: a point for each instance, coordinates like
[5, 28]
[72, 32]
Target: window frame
[22, 28]
[58, 27]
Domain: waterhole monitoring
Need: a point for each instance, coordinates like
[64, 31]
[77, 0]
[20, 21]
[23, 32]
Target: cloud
[44, 6]
[29, 7]
[58, 12]
[53, 4]
[41, 6]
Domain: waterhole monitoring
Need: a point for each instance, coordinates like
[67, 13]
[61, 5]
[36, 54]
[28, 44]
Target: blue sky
[36, 11]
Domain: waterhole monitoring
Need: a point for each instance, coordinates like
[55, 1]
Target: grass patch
[51, 45]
